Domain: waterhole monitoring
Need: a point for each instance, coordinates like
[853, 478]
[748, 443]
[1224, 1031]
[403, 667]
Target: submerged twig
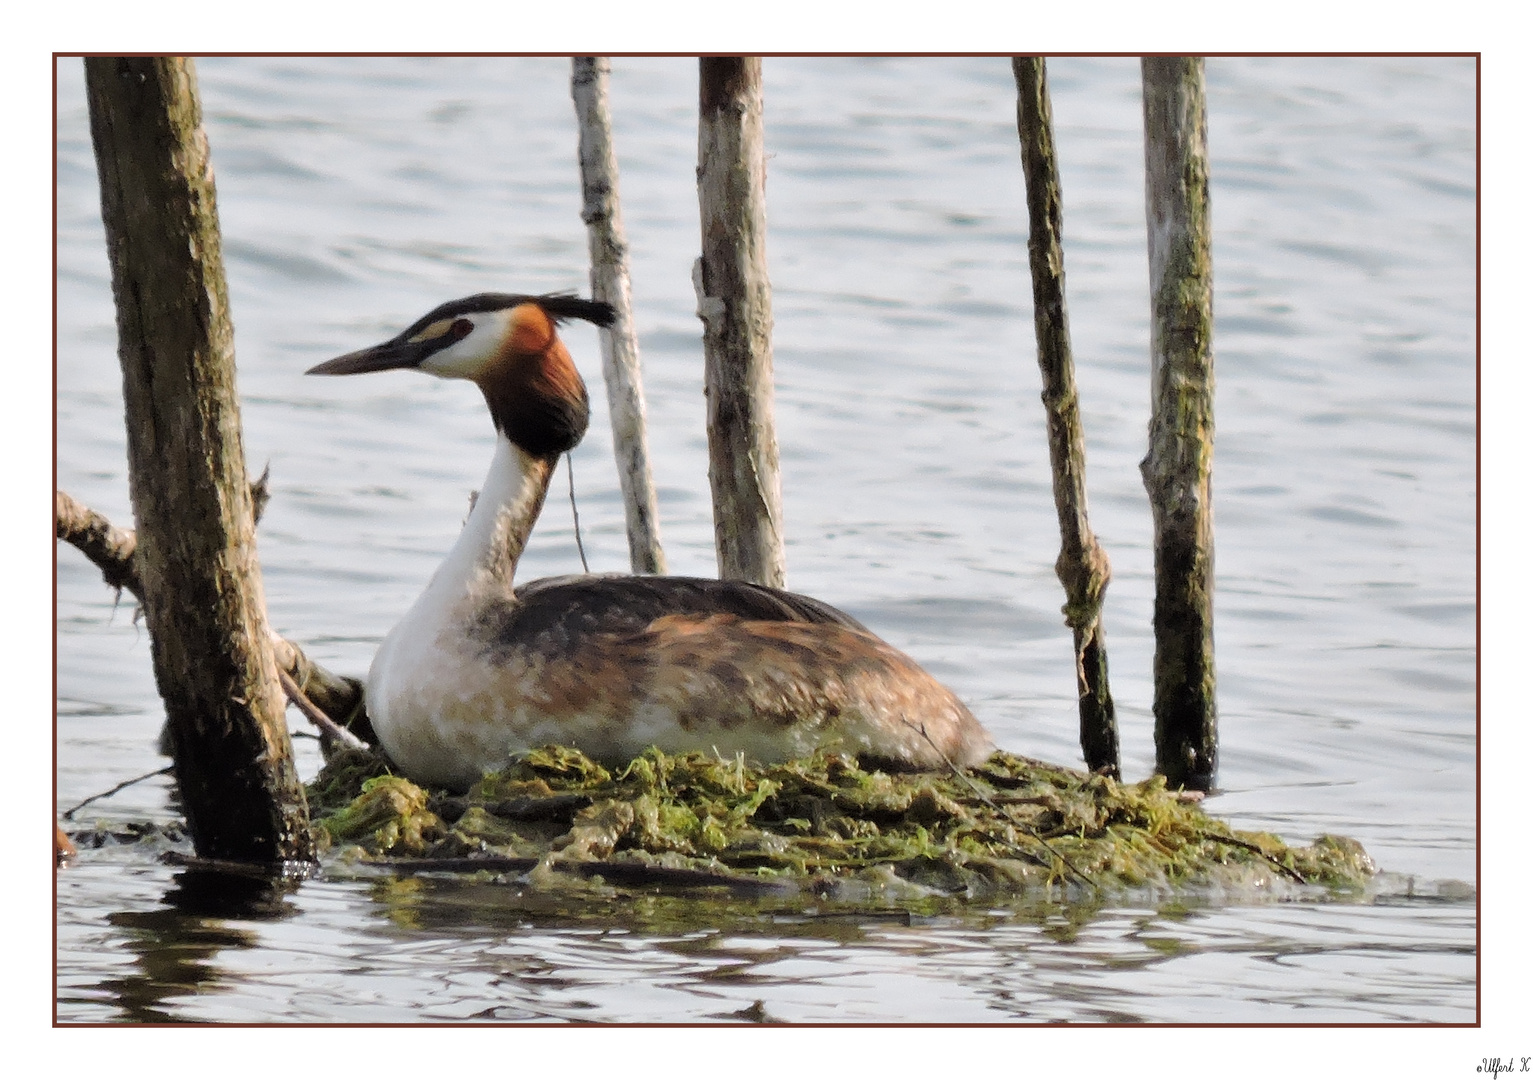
[622, 873]
[287, 870]
[166, 771]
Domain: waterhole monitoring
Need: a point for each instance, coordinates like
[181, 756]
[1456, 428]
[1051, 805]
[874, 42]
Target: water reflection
[357, 946]
[502, 951]
[176, 947]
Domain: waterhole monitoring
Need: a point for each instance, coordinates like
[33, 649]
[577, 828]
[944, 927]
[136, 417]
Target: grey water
[357, 193]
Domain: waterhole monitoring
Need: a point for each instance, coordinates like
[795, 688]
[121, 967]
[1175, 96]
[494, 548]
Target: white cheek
[465, 359]
[457, 362]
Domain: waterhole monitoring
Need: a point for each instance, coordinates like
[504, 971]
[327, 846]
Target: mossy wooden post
[734, 301]
[1177, 471]
[196, 554]
[1082, 566]
[609, 281]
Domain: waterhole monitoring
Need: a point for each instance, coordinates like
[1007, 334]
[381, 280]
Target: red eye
[461, 329]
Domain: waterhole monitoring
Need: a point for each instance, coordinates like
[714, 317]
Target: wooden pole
[734, 301]
[603, 216]
[1178, 468]
[196, 554]
[1082, 566]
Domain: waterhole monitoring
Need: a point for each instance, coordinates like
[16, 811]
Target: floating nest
[1010, 826]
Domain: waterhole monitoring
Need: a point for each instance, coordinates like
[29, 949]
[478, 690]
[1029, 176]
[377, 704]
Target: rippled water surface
[357, 193]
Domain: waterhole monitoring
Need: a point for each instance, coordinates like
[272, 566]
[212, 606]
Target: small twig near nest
[642, 875]
[260, 494]
[166, 771]
[1287, 871]
[112, 550]
[1005, 813]
[317, 715]
[108, 547]
[569, 462]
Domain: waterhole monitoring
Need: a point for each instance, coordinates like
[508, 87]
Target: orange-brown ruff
[478, 670]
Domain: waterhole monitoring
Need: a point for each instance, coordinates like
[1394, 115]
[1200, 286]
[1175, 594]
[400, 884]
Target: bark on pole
[196, 554]
[734, 301]
[1177, 471]
[1082, 566]
[601, 212]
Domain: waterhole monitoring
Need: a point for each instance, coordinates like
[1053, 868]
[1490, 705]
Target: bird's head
[506, 344]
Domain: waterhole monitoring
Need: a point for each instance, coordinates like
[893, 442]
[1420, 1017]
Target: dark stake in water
[355, 193]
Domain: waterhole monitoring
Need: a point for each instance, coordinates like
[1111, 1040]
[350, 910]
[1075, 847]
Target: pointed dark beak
[386, 357]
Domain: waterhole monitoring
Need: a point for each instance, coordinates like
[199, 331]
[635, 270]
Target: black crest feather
[559, 306]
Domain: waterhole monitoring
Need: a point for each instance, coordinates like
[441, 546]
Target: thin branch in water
[569, 467]
[166, 771]
[112, 551]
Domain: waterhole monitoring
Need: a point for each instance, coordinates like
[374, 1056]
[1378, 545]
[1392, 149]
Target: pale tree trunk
[196, 555]
[734, 301]
[1082, 566]
[609, 282]
[1178, 469]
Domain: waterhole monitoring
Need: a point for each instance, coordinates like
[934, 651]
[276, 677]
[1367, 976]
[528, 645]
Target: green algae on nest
[1010, 825]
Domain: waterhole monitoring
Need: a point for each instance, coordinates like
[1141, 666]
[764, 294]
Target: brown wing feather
[556, 615]
[690, 663]
[841, 685]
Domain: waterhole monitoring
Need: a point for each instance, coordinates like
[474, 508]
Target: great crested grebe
[611, 664]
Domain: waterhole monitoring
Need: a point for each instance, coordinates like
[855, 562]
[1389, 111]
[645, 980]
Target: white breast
[440, 710]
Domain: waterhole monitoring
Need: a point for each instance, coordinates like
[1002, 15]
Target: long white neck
[486, 554]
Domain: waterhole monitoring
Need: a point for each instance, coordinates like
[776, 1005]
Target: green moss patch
[1007, 827]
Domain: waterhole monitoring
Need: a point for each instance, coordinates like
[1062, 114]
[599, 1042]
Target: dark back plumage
[559, 612]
